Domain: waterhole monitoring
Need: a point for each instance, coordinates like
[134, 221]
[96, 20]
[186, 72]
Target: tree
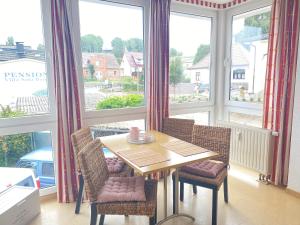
[202, 51]
[261, 21]
[10, 41]
[118, 48]
[41, 47]
[176, 72]
[91, 43]
[134, 45]
[255, 28]
[12, 147]
[91, 69]
[174, 52]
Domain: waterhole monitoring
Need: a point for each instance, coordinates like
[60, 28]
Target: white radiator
[250, 147]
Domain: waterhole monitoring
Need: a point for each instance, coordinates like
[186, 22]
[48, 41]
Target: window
[250, 32]
[29, 150]
[190, 56]
[201, 118]
[246, 119]
[23, 74]
[122, 127]
[239, 74]
[112, 34]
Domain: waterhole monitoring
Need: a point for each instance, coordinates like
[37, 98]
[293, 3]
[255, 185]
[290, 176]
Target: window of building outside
[190, 53]
[112, 34]
[250, 33]
[23, 75]
[201, 118]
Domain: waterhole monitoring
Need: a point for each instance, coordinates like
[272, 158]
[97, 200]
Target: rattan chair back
[216, 139]
[178, 128]
[93, 168]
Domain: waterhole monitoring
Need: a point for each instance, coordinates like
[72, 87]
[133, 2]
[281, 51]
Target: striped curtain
[158, 84]
[67, 99]
[280, 82]
[158, 61]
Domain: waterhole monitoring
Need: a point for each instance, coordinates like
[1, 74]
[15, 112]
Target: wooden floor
[250, 203]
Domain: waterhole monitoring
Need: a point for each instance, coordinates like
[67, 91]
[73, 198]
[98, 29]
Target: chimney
[20, 49]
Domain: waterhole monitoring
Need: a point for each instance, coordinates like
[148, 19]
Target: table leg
[165, 193]
[177, 214]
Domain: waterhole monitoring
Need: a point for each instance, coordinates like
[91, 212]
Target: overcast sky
[22, 20]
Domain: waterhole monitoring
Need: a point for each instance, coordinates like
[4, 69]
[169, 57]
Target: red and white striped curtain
[280, 82]
[67, 99]
[158, 84]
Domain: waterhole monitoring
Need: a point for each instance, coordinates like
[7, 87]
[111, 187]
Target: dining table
[161, 154]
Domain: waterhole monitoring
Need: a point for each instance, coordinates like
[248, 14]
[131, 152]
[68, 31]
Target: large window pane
[246, 119]
[112, 55]
[250, 32]
[23, 77]
[190, 38]
[28, 150]
[201, 118]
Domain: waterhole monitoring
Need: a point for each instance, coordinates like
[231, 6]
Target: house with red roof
[102, 66]
[132, 64]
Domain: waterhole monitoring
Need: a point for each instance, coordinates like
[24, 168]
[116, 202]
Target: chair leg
[173, 182]
[152, 220]
[80, 193]
[214, 207]
[181, 190]
[195, 189]
[93, 214]
[155, 221]
[225, 184]
[102, 217]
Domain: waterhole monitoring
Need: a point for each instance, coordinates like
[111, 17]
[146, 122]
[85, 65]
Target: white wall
[294, 170]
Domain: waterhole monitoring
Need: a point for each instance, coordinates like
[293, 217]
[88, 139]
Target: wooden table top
[117, 143]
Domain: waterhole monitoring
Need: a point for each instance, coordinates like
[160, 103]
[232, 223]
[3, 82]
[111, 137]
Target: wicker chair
[95, 174]
[178, 128]
[216, 139]
[80, 139]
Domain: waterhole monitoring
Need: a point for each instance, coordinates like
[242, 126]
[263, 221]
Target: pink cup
[134, 133]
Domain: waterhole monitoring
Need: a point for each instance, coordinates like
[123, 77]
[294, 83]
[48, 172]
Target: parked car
[17, 176]
[41, 161]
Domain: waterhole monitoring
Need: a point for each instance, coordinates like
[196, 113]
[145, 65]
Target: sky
[22, 20]
[107, 21]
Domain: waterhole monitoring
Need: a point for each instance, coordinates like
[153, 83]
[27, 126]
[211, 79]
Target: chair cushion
[114, 164]
[122, 189]
[208, 168]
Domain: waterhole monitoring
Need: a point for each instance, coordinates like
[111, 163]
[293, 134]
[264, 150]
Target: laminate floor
[250, 203]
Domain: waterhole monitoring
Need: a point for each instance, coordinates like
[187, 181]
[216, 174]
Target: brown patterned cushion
[208, 168]
[122, 189]
[114, 164]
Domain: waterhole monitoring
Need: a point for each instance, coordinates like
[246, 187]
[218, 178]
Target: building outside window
[119, 51]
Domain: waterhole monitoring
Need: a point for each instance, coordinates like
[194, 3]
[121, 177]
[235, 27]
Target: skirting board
[292, 192]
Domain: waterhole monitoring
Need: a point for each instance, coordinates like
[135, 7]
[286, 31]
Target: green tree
[41, 47]
[12, 147]
[176, 72]
[174, 52]
[261, 21]
[91, 69]
[10, 41]
[255, 28]
[134, 45]
[91, 43]
[202, 51]
[118, 48]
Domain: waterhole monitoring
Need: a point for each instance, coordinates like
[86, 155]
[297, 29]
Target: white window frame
[39, 122]
[208, 106]
[111, 115]
[249, 108]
